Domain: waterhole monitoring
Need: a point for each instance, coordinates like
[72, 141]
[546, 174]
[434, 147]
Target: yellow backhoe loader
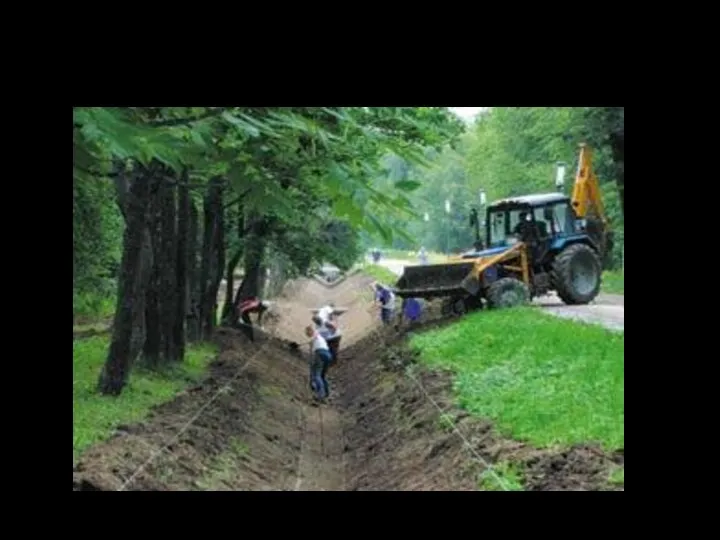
[534, 244]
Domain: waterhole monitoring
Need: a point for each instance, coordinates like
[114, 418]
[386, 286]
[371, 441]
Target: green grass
[613, 282]
[95, 417]
[504, 476]
[380, 273]
[541, 379]
[91, 308]
[617, 476]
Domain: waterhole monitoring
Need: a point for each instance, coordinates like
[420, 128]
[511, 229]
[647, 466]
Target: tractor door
[543, 219]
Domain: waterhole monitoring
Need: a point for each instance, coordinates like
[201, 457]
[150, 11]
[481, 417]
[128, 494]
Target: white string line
[488, 467]
[190, 422]
[303, 444]
[187, 425]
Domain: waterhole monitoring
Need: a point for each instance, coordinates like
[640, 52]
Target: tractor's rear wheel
[577, 274]
[507, 292]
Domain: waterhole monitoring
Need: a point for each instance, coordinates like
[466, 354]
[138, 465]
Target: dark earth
[251, 425]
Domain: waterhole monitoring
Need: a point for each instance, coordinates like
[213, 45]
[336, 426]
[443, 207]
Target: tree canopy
[202, 190]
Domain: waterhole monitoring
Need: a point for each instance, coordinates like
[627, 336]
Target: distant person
[376, 255]
[423, 256]
[385, 298]
[319, 362]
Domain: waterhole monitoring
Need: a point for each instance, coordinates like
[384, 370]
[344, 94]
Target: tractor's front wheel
[507, 292]
[577, 274]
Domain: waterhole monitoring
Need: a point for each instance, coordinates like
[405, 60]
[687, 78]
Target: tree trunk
[193, 311]
[122, 188]
[167, 267]
[229, 312]
[617, 145]
[213, 256]
[151, 349]
[181, 291]
[116, 370]
[253, 261]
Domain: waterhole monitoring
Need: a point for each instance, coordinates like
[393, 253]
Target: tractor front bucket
[436, 280]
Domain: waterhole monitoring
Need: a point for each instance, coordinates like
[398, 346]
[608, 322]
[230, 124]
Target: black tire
[507, 292]
[577, 274]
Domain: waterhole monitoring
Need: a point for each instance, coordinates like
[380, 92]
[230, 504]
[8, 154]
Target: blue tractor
[534, 245]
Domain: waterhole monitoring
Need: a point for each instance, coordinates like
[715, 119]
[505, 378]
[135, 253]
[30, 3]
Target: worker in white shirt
[326, 312]
[330, 330]
[319, 361]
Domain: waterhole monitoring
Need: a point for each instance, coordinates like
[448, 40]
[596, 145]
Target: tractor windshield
[503, 224]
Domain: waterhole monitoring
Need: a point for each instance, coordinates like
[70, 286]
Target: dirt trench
[252, 424]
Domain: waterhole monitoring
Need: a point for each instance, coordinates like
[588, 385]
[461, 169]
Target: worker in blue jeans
[320, 359]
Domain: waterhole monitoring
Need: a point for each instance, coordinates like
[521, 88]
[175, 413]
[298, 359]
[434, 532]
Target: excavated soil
[253, 426]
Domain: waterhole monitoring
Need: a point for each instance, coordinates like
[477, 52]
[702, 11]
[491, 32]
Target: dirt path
[322, 464]
[607, 310]
[322, 461]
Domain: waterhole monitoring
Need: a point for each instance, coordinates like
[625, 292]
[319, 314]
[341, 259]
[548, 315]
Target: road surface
[607, 310]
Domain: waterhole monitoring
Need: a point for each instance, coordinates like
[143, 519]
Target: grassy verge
[613, 282]
[95, 417]
[542, 379]
[91, 311]
[380, 273]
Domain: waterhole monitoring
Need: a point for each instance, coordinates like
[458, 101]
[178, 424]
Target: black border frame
[409, 91]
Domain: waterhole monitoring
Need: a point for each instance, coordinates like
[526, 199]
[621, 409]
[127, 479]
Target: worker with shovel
[319, 362]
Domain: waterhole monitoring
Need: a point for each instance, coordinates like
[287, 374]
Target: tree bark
[167, 267]
[213, 256]
[253, 261]
[193, 311]
[181, 291]
[151, 348]
[116, 370]
[229, 312]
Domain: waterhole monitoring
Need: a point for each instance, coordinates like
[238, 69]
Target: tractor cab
[529, 218]
[537, 220]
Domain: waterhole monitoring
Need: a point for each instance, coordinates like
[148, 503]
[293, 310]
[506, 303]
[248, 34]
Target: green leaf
[246, 127]
[407, 185]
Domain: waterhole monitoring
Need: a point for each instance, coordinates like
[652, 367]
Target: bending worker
[248, 306]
